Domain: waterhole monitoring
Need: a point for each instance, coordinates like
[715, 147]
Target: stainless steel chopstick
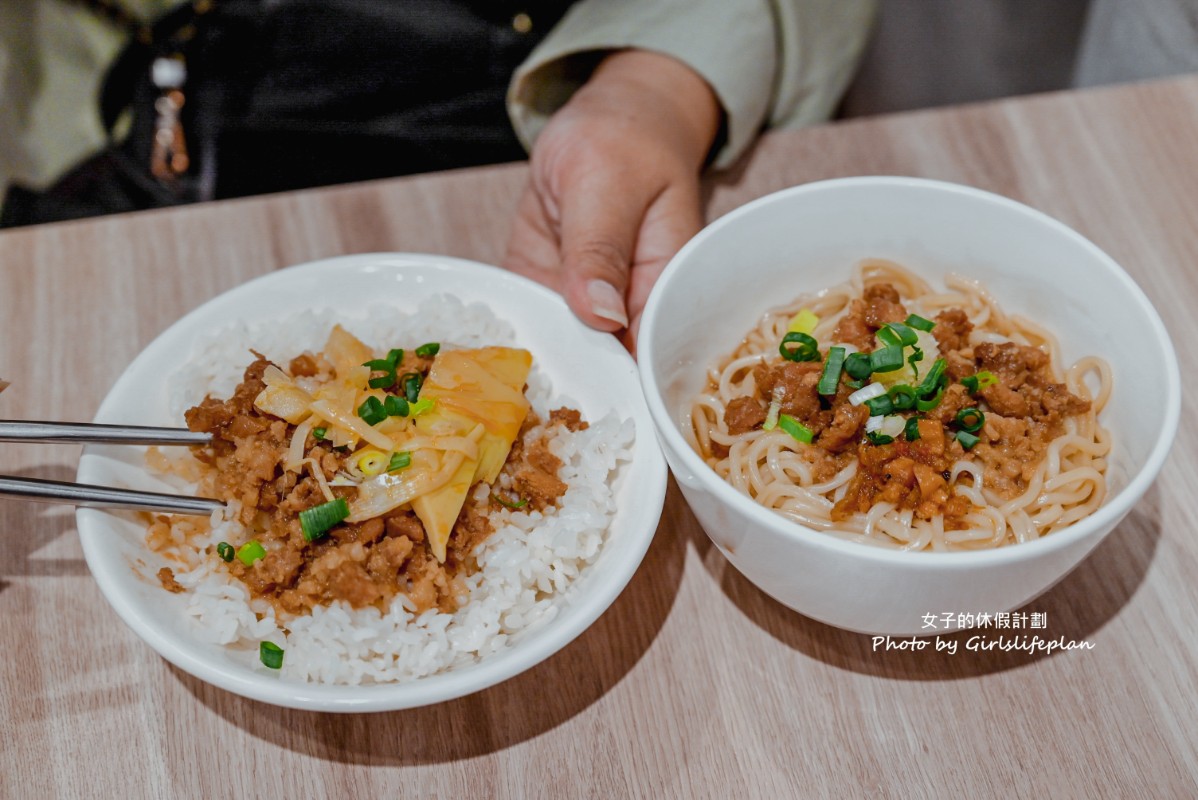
[77, 432]
[83, 494]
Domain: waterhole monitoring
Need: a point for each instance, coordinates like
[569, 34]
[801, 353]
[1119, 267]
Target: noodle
[1058, 484]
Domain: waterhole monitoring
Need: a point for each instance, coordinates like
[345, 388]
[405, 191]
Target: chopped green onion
[316, 521]
[886, 359]
[796, 429]
[888, 337]
[371, 411]
[879, 438]
[807, 350]
[920, 323]
[319, 434]
[879, 406]
[250, 552]
[399, 461]
[422, 406]
[857, 365]
[916, 356]
[911, 429]
[855, 384]
[271, 654]
[898, 334]
[428, 350]
[771, 416]
[411, 383]
[395, 406]
[928, 403]
[867, 392]
[967, 440]
[971, 420]
[395, 356]
[980, 381]
[384, 366]
[829, 379]
[902, 396]
[521, 503]
[932, 381]
[225, 551]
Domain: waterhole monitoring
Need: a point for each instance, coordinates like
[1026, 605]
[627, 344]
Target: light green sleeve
[775, 63]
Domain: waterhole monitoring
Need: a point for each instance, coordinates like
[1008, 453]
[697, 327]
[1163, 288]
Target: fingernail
[606, 302]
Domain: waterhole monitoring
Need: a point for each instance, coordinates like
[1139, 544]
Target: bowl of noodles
[430, 476]
[888, 399]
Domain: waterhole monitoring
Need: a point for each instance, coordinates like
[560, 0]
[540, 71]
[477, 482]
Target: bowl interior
[587, 369]
[809, 237]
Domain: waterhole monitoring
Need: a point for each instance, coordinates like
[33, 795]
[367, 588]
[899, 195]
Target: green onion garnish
[771, 415]
[250, 552]
[319, 434]
[857, 365]
[971, 420]
[395, 356]
[521, 503]
[371, 411]
[886, 359]
[932, 381]
[428, 350]
[902, 396]
[916, 356]
[855, 384]
[384, 366]
[421, 406]
[411, 383]
[807, 350]
[967, 440]
[928, 403]
[911, 429]
[797, 430]
[920, 323]
[395, 406]
[899, 334]
[880, 406]
[829, 379]
[878, 438]
[225, 551]
[980, 381]
[399, 460]
[271, 654]
[316, 521]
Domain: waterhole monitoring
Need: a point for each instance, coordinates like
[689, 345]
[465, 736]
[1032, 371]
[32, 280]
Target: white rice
[526, 566]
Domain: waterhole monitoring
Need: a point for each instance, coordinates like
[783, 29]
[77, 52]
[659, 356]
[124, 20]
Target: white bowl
[588, 367]
[809, 237]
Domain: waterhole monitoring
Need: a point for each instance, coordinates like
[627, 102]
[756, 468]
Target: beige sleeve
[775, 63]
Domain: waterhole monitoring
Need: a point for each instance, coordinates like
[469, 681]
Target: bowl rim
[1106, 516]
[493, 669]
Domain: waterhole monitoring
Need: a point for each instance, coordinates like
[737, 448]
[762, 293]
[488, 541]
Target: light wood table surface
[694, 684]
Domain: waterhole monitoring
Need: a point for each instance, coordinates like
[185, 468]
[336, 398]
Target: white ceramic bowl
[807, 238]
[588, 367]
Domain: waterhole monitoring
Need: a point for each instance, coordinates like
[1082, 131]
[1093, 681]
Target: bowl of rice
[540, 577]
[892, 401]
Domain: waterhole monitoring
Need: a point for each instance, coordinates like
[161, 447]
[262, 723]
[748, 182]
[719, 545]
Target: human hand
[613, 190]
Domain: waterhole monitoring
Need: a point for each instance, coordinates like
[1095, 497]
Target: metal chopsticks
[82, 494]
[85, 494]
[78, 432]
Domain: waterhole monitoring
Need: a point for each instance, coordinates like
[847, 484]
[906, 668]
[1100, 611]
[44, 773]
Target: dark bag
[289, 94]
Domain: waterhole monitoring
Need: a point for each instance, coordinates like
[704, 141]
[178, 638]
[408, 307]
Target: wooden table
[694, 684]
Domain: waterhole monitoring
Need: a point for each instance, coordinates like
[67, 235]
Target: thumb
[599, 223]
